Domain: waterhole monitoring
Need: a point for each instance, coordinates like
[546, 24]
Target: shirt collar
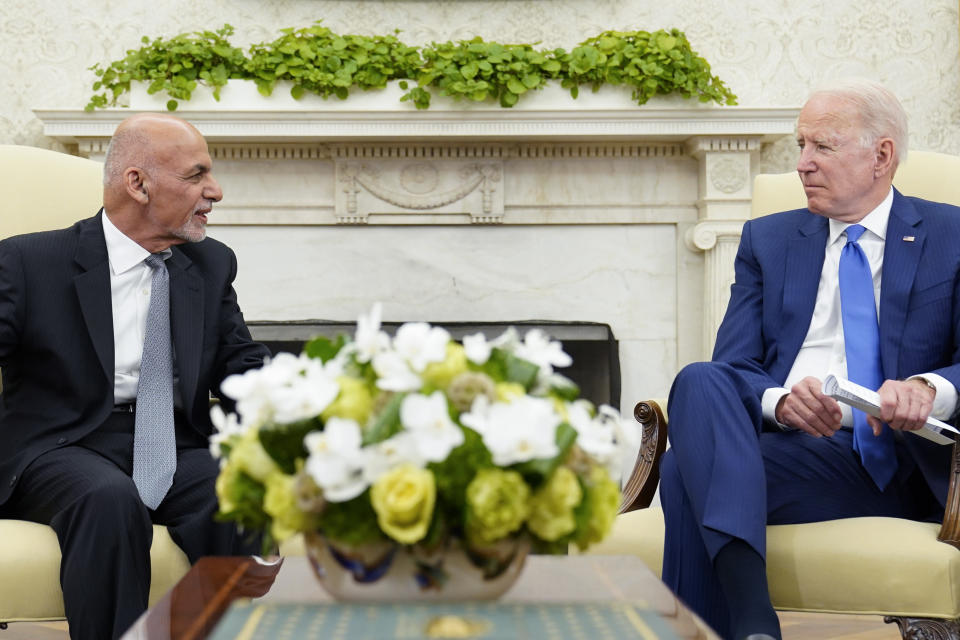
[123, 252]
[874, 222]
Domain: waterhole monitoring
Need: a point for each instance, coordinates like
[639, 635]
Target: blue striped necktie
[861, 335]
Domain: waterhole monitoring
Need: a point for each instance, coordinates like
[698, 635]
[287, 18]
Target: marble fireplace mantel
[617, 214]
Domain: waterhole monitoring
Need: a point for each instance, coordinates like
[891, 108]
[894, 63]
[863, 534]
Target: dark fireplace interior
[592, 345]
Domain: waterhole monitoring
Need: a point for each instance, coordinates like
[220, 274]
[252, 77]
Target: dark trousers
[725, 478]
[85, 493]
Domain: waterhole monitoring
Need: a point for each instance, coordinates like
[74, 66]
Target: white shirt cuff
[945, 402]
[770, 400]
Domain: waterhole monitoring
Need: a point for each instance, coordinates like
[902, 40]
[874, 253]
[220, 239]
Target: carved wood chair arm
[639, 489]
[950, 530]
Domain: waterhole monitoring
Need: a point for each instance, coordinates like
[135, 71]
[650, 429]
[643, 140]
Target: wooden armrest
[639, 489]
[950, 530]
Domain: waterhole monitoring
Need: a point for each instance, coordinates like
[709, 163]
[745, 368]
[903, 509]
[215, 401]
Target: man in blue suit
[754, 439]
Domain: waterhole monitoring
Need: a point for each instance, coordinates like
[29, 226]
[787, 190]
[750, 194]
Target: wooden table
[190, 610]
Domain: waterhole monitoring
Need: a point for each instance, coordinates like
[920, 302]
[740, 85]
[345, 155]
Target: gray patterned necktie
[154, 443]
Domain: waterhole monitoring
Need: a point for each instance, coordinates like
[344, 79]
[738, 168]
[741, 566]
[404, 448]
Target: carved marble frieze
[446, 181]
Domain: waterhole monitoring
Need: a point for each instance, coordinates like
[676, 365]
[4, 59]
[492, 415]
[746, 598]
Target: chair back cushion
[45, 190]
[925, 174]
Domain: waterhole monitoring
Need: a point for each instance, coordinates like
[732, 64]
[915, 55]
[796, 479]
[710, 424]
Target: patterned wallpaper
[769, 51]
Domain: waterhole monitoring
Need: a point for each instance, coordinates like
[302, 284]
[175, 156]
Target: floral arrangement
[419, 441]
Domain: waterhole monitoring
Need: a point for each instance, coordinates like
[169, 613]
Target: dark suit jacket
[778, 269]
[56, 337]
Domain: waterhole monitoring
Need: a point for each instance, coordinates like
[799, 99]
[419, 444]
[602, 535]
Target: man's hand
[904, 404]
[807, 409]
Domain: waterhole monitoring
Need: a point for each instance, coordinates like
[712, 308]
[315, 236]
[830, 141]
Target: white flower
[393, 372]
[606, 437]
[428, 419]
[369, 340]
[227, 426]
[477, 348]
[286, 389]
[336, 460]
[509, 340]
[522, 430]
[383, 456]
[538, 348]
[595, 435]
[420, 344]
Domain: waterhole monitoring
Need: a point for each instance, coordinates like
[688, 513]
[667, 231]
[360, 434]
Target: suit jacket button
[13, 481]
[62, 441]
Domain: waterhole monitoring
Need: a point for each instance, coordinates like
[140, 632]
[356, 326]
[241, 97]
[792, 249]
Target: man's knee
[109, 505]
[700, 376]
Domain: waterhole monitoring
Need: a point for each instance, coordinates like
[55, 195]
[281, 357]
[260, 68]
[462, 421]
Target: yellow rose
[551, 507]
[403, 499]
[438, 375]
[280, 503]
[354, 402]
[250, 457]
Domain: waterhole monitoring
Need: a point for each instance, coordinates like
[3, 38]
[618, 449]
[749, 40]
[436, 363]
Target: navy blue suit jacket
[778, 268]
[56, 337]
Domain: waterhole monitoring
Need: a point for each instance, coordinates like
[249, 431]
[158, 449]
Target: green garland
[316, 60]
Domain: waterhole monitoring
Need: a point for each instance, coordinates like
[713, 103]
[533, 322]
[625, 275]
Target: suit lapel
[802, 268]
[186, 323]
[900, 260]
[93, 290]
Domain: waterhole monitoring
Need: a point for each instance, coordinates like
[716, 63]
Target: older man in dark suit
[865, 284]
[113, 334]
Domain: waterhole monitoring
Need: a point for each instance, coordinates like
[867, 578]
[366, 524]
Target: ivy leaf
[516, 87]
[666, 42]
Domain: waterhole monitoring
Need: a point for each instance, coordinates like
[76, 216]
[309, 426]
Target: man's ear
[885, 158]
[135, 182]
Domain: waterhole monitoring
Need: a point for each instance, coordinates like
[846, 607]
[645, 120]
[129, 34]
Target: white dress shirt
[130, 286]
[823, 351]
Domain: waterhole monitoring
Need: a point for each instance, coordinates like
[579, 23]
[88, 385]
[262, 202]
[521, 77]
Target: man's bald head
[157, 181]
[134, 143]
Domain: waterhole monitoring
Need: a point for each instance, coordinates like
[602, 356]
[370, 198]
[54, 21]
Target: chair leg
[926, 628]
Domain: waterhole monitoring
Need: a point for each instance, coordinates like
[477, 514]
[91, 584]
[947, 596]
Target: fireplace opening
[592, 345]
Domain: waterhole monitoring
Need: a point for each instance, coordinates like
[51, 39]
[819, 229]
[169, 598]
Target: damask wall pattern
[771, 52]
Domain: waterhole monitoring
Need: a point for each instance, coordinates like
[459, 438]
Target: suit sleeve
[237, 351]
[740, 340]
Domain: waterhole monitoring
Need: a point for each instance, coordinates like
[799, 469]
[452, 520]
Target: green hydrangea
[439, 375]
[250, 457]
[602, 503]
[497, 505]
[354, 402]
[280, 503]
[551, 507]
[465, 388]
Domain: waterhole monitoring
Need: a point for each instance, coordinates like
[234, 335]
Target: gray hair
[128, 148]
[881, 114]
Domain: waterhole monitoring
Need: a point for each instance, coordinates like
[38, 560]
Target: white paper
[869, 402]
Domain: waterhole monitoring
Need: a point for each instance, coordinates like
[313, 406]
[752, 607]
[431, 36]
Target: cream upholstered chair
[907, 571]
[43, 190]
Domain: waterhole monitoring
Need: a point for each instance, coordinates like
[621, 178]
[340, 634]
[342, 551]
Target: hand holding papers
[869, 402]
